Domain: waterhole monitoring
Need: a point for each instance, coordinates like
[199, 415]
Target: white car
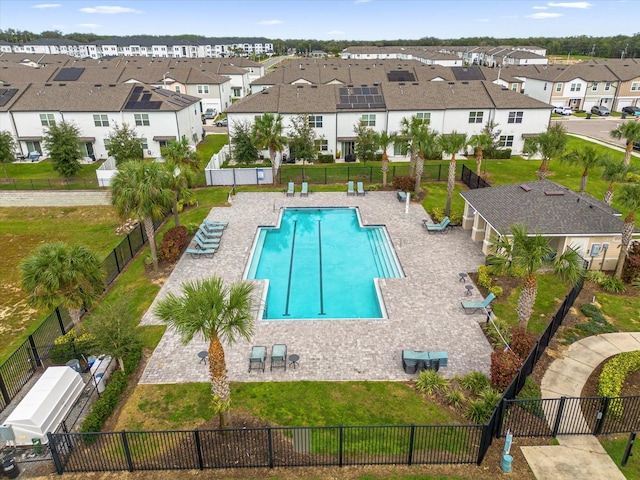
[562, 110]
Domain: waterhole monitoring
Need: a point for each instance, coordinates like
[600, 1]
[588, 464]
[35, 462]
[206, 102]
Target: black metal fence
[267, 447]
[21, 365]
[472, 180]
[371, 174]
[51, 184]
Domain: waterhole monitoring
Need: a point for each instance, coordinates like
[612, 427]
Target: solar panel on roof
[6, 94]
[68, 74]
[401, 76]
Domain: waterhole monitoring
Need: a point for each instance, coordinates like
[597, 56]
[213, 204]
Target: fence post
[115, 255]
[370, 174]
[348, 173]
[127, 452]
[412, 436]
[602, 414]
[325, 175]
[341, 445]
[627, 450]
[60, 321]
[439, 171]
[34, 350]
[3, 391]
[129, 242]
[485, 438]
[196, 436]
[556, 424]
[270, 447]
[54, 454]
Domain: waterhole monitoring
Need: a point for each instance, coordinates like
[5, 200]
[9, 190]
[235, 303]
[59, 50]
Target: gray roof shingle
[564, 213]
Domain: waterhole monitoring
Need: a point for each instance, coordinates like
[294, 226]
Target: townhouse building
[334, 110]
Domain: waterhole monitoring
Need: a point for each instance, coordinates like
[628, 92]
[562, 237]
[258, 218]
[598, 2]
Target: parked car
[636, 145]
[600, 110]
[222, 123]
[210, 113]
[566, 110]
[631, 110]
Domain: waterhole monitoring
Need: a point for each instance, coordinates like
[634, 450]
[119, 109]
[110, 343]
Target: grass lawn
[325, 403]
[624, 312]
[23, 231]
[41, 175]
[615, 447]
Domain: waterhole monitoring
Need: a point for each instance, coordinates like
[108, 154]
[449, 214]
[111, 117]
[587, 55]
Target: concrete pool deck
[424, 311]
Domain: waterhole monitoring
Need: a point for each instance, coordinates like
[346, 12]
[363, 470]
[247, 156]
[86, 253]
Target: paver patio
[424, 311]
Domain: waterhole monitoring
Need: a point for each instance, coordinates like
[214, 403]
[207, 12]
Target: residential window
[545, 86]
[594, 87]
[607, 86]
[514, 87]
[559, 87]
[424, 116]
[144, 144]
[575, 87]
[515, 117]
[203, 88]
[322, 145]
[33, 146]
[475, 117]
[400, 148]
[315, 121]
[100, 120]
[368, 120]
[107, 144]
[163, 143]
[177, 88]
[505, 141]
[47, 120]
[635, 86]
[142, 119]
[237, 91]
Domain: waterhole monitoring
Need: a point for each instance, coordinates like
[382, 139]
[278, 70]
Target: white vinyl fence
[215, 175]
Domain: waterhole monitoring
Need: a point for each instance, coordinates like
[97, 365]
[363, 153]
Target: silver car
[600, 110]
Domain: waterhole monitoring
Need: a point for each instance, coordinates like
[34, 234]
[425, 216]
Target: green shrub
[437, 214]
[404, 183]
[478, 411]
[596, 276]
[107, 402]
[484, 279]
[491, 330]
[497, 153]
[456, 217]
[192, 228]
[172, 243]
[491, 397]
[613, 376]
[325, 158]
[455, 398]
[430, 382]
[475, 382]
[69, 346]
[613, 285]
[496, 290]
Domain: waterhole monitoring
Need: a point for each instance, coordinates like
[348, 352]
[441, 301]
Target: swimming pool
[322, 264]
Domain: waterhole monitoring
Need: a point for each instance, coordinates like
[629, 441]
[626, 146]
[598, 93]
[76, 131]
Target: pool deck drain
[424, 311]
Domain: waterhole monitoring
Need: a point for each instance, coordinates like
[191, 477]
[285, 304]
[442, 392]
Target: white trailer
[45, 405]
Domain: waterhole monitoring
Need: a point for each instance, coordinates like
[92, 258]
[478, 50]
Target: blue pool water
[321, 263]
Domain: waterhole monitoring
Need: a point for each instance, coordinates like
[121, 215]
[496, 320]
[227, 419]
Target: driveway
[595, 127]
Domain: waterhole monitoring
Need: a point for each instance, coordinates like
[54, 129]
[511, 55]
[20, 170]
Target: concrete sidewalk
[578, 456]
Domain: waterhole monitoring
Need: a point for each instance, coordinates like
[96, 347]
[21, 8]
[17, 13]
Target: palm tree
[217, 313]
[630, 131]
[614, 172]
[426, 144]
[383, 140]
[629, 198]
[549, 144]
[587, 157]
[480, 143]
[181, 163]
[410, 126]
[58, 274]
[141, 190]
[452, 143]
[267, 133]
[524, 255]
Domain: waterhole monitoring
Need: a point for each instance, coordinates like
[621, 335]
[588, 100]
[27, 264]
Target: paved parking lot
[424, 311]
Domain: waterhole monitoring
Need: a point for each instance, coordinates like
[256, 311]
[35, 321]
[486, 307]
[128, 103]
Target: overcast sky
[327, 19]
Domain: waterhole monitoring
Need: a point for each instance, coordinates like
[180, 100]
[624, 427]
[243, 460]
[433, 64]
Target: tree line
[608, 47]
